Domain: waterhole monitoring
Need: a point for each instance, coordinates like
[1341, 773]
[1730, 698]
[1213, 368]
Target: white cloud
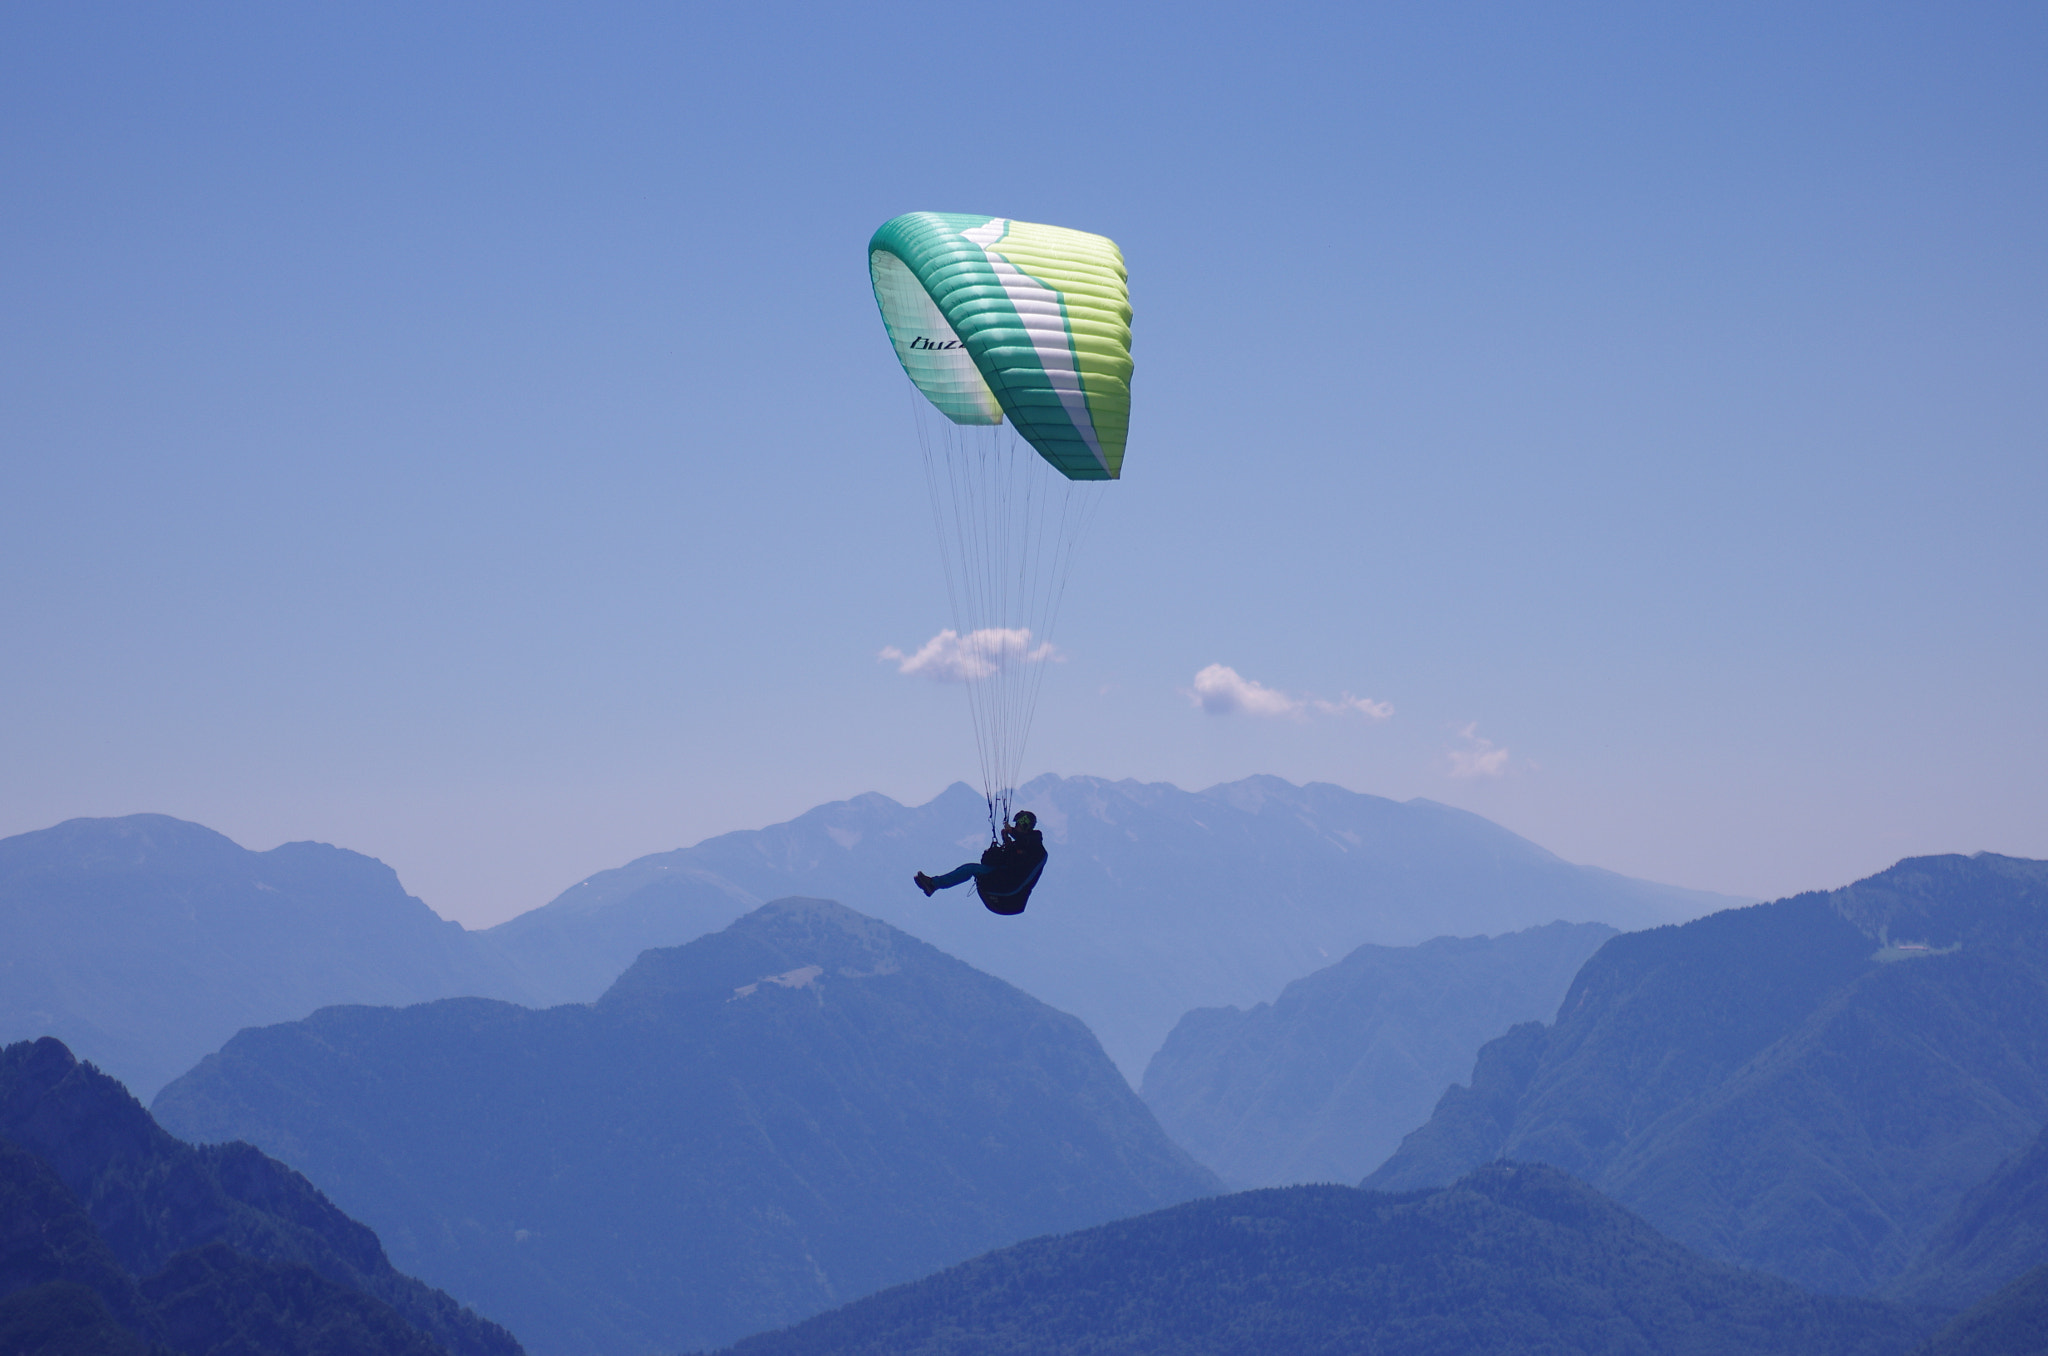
[950, 657]
[1222, 691]
[1364, 706]
[1479, 757]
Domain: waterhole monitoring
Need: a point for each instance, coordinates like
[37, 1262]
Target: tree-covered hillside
[1809, 1087]
[2011, 1321]
[1516, 1260]
[1998, 1231]
[116, 1238]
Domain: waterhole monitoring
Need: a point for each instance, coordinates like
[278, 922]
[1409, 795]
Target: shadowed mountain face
[2012, 1321]
[1156, 900]
[145, 942]
[1810, 1087]
[1999, 1231]
[48, 1244]
[115, 1236]
[1320, 1085]
[1514, 1260]
[768, 1121]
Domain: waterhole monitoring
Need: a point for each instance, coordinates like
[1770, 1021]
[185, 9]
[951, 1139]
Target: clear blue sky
[464, 433]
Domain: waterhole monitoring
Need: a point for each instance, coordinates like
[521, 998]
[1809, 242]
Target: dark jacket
[1018, 859]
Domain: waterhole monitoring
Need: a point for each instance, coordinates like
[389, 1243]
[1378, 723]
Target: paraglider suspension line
[1009, 529]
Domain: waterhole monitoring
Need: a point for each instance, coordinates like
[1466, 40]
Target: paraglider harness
[1018, 858]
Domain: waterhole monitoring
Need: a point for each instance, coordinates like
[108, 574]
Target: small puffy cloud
[1222, 691]
[1479, 757]
[950, 657]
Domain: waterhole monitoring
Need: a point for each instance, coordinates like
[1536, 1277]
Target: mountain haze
[1516, 1260]
[1321, 1084]
[1810, 1087]
[144, 942]
[768, 1121]
[1156, 900]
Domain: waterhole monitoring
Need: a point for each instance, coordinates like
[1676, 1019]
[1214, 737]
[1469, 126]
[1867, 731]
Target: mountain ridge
[1809, 1086]
[1321, 1084]
[146, 941]
[1513, 1259]
[1156, 900]
[177, 1239]
[802, 1107]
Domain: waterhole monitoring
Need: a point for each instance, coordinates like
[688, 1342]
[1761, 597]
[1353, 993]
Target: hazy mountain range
[116, 1238]
[797, 1110]
[1156, 900]
[1813, 1087]
[797, 1104]
[1321, 1084]
[1515, 1260]
[144, 942]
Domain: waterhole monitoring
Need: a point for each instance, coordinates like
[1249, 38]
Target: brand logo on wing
[922, 342]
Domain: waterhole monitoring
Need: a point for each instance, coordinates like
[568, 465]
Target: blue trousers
[964, 872]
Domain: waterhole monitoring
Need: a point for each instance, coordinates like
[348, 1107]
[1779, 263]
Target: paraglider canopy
[993, 317]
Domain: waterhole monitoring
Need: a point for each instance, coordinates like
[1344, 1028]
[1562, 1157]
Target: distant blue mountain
[1321, 1084]
[144, 942]
[1810, 1087]
[1156, 900]
[770, 1120]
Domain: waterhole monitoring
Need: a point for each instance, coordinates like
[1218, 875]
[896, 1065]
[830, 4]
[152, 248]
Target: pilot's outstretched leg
[966, 871]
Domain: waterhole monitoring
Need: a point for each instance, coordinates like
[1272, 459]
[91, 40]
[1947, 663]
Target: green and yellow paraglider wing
[993, 317]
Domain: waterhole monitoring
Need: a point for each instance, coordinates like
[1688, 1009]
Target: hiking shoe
[924, 883]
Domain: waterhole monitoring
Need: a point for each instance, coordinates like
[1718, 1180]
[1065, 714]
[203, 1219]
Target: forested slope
[1810, 1087]
[1516, 1260]
[1997, 1232]
[116, 1237]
